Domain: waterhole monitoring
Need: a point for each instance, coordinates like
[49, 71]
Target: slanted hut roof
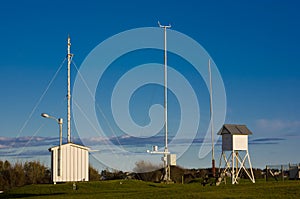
[234, 129]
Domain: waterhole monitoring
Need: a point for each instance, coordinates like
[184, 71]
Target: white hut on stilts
[235, 152]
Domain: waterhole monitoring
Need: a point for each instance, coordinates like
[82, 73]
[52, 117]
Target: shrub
[93, 174]
[19, 175]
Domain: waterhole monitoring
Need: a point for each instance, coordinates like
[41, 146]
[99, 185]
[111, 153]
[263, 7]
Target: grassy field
[140, 189]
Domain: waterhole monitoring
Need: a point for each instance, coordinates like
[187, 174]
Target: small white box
[171, 159]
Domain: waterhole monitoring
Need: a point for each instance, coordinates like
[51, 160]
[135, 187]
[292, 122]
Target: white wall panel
[75, 163]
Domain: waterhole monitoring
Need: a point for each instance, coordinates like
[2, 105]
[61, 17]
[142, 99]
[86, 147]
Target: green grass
[140, 189]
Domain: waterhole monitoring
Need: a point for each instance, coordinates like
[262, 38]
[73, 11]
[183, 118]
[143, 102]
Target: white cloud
[284, 127]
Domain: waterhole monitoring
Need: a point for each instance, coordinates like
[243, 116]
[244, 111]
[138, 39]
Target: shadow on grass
[157, 186]
[25, 195]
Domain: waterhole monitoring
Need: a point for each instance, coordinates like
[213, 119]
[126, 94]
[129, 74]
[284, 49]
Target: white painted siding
[240, 142]
[74, 163]
[234, 142]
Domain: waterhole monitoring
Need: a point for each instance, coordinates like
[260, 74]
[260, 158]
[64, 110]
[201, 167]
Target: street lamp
[60, 123]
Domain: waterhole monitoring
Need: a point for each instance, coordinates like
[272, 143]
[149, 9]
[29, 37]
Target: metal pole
[59, 156]
[267, 171]
[167, 169]
[213, 168]
[69, 90]
[166, 106]
[166, 89]
[60, 123]
[282, 174]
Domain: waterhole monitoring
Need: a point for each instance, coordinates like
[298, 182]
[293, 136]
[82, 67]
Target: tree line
[32, 172]
[20, 174]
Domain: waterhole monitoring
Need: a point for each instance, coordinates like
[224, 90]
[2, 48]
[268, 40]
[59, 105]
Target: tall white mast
[69, 89]
[167, 170]
[212, 122]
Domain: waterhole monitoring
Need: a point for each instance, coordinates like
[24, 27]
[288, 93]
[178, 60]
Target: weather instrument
[168, 159]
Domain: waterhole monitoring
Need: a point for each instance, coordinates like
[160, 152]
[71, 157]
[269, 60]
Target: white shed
[69, 163]
[234, 137]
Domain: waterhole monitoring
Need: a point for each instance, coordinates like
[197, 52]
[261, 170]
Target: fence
[276, 172]
[282, 172]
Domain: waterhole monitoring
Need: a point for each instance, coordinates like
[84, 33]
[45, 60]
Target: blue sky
[255, 45]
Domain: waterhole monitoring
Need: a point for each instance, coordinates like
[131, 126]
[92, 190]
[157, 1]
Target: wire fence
[282, 172]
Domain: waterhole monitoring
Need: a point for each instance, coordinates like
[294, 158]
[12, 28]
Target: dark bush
[93, 174]
[22, 174]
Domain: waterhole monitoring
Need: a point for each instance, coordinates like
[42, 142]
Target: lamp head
[45, 115]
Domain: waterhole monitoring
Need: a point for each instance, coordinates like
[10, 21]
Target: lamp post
[60, 123]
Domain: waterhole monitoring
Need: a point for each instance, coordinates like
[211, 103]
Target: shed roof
[70, 144]
[234, 129]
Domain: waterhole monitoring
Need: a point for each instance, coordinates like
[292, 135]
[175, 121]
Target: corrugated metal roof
[234, 129]
[71, 144]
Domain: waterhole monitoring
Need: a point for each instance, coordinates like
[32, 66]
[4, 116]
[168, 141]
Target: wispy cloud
[134, 141]
[19, 142]
[25, 147]
[283, 127]
[30, 147]
[10, 144]
[266, 141]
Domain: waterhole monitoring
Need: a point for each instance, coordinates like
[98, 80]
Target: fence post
[267, 171]
[282, 174]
